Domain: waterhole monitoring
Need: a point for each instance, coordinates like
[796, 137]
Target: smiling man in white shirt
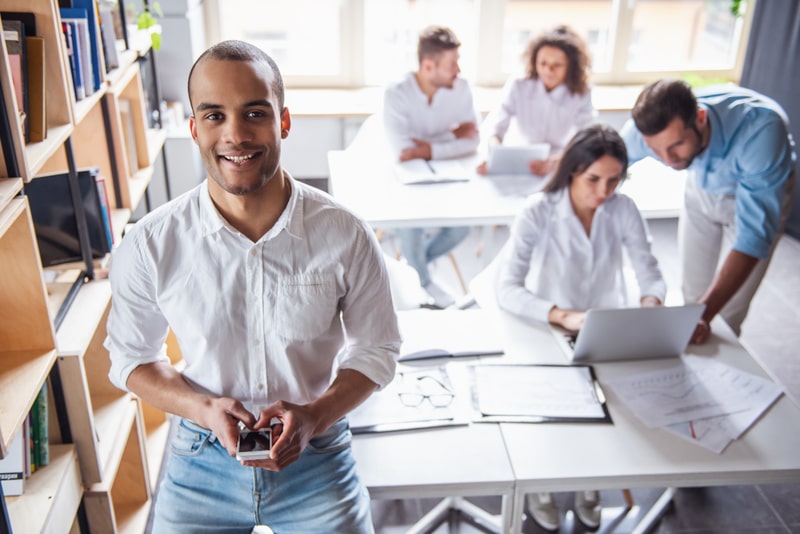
[280, 302]
[429, 114]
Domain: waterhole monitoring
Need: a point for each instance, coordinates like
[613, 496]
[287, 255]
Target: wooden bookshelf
[106, 467]
[52, 495]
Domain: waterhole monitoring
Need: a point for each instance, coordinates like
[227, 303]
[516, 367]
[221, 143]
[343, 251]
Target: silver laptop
[513, 159]
[632, 333]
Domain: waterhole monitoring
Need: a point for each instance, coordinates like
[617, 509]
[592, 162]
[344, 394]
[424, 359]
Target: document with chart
[537, 394]
[699, 399]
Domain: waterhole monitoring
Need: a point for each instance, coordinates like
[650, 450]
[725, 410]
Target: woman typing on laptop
[565, 255]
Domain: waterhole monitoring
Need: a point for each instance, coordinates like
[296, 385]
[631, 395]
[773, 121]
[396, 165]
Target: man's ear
[193, 128]
[286, 123]
[702, 116]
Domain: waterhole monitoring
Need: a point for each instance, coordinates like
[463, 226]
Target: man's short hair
[434, 40]
[660, 102]
[241, 51]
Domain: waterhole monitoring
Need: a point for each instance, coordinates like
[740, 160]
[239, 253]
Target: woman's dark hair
[660, 102]
[568, 41]
[586, 147]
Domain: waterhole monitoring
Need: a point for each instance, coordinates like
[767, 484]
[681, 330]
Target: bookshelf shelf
[52, 495]
[9, 188]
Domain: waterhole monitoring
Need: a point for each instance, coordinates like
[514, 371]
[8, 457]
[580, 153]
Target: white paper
[445, 333]
[702, 400]
[537, 390]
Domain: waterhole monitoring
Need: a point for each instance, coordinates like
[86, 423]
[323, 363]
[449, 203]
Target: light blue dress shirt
[750, 156]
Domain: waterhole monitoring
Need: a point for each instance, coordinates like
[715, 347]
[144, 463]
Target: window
[354, 43]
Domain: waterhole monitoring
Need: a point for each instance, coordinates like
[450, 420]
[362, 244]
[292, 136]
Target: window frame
[488, 67]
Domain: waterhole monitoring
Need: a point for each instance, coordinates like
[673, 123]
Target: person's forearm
[349, 389]
[733, 273]
[160, 385]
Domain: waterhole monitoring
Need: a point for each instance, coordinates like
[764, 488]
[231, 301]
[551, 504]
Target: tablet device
[505, 159]
[632, 333]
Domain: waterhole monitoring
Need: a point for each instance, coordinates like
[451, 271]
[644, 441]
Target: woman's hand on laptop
[572, 320]
[649, 301]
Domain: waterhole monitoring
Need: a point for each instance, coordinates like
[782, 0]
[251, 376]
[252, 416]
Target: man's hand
[466, 130]
[701, 332]
[482, 169]
[298, 424]
[421, 150]
[222, 416]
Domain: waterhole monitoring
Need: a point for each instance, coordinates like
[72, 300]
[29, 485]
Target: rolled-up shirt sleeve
[373, 338]
[136, 327]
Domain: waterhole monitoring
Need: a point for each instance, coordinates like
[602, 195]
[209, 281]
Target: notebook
[505, 159]
[420, 171]
[632, 333]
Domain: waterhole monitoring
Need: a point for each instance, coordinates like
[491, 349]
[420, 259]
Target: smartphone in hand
[254, 444]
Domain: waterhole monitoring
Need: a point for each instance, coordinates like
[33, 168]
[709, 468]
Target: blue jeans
[206, 490]
[420, 248]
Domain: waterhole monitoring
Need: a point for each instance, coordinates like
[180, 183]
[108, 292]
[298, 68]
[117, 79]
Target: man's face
[444, 68]
[237, 124]
[678, 144]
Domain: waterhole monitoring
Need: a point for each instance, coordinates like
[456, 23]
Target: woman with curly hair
[551, 101]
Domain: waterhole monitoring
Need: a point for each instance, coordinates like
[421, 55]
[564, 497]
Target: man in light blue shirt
[735, 144]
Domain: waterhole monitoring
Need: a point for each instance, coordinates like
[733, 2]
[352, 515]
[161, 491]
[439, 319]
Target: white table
[629, 455]
[515, 459]
[447, 462]
[365, 182]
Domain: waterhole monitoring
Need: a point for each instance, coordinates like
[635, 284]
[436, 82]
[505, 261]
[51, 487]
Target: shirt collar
[558, 94]
[290, 219]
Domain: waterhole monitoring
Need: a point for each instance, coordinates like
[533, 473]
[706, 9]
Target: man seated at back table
[429, 114]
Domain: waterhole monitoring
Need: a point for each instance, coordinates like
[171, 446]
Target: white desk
[365, 183]
[447, 462]
[515, 459]
[563, 457]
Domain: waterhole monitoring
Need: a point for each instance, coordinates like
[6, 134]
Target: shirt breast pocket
[306, 305]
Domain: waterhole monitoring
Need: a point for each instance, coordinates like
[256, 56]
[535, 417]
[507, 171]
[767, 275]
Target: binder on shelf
[12, 466]
[37, 113]
[54, 217]
[14, 36]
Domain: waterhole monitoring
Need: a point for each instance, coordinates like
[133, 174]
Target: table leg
[655, 512]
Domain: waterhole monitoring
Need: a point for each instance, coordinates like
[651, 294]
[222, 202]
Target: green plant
[146, 21]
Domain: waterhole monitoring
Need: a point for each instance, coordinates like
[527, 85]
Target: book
[128, 132]
[71, 43]
[14, 36]
[79, 19]
[12, 466]
[108, 38]
[37, 107]
[41, 432]
[105, 210]
[96, 44]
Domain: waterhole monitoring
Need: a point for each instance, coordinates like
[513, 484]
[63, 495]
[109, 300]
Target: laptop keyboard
[571, 339]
